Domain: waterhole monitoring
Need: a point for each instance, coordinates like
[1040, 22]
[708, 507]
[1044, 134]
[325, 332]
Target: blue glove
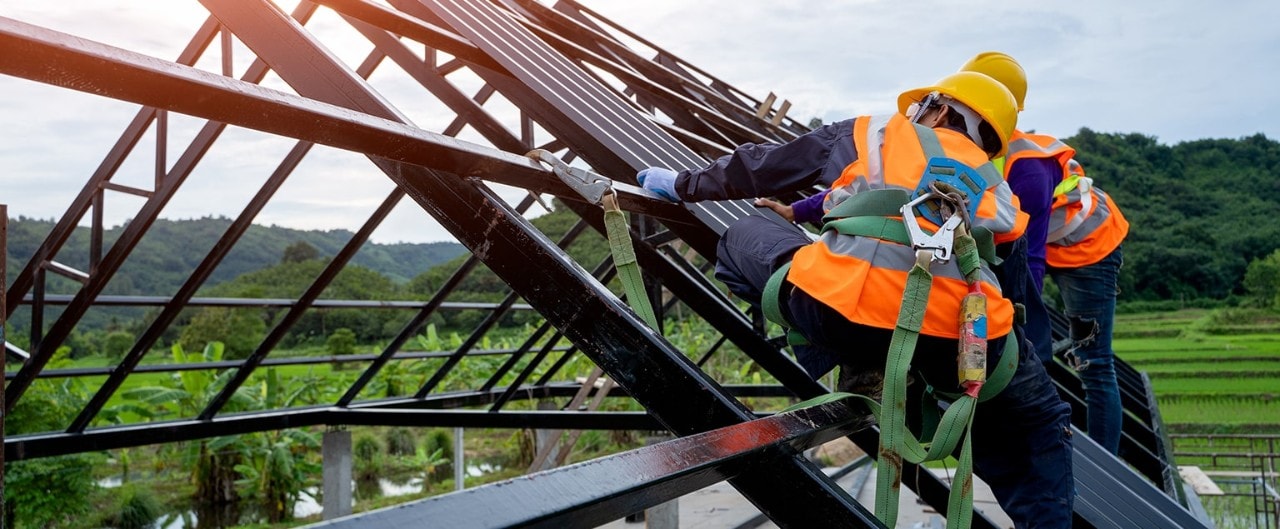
[660, 180]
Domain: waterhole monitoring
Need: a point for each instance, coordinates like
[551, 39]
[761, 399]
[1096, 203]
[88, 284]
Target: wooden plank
[1199, 481]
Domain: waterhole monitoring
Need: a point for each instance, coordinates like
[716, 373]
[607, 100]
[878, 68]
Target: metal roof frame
[560, 65]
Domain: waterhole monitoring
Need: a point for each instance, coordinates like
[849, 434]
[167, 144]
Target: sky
[1176, 70]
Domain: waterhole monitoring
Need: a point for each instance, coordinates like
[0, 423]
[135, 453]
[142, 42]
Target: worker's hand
[787, 212]
[660, 180]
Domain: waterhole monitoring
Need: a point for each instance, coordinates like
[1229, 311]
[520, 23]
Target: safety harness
[873, 214]
[599, 190]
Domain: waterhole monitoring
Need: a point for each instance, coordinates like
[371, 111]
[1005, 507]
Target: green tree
[241, 330]
[1262, 280]
[290, 280]
[274, 468]
[213, 460]
[116, 344]
[49, 491]
[298, 252]
[341, 342]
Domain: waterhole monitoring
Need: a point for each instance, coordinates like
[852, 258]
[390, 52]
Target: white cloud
[1178, 70]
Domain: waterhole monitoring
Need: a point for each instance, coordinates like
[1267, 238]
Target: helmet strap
[924, 105]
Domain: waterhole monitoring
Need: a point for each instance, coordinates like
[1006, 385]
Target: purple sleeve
[809, 209]
[1033, 180]
[766, 170]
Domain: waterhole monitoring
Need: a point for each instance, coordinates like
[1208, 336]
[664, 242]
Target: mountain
[1199, 213]
[171, 249]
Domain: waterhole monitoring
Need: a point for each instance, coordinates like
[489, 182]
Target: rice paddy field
[1207, 378]
[1216, 377]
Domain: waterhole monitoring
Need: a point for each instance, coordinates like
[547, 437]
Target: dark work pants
[1021, 437]
[1089, 296]
[1019, 286]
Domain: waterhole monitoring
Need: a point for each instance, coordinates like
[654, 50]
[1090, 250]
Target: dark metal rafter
[510, 45]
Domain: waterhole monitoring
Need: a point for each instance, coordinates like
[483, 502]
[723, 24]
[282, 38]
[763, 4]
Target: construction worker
[1074, 234]
[1083, 253]
[843, 292]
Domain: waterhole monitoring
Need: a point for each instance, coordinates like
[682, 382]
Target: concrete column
[546, 443]
[459, 461]
[665, 515]
[336, 454]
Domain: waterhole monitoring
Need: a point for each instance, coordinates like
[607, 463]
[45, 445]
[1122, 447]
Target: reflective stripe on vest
[997, 213]
[1025, 145]
[1063, 229]
[868, 138]
[863, 278]
[1099, 229]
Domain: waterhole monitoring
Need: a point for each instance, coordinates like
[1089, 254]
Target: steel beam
[317, 287]
[55, 58]
[4, 358]
[268, 362]
[160, 301]
[596, 492]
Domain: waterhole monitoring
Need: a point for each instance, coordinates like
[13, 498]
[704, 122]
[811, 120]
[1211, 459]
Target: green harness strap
[873, 214]
[896, 440]
[624, 260]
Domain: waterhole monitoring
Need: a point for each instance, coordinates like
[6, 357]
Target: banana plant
[212, 461]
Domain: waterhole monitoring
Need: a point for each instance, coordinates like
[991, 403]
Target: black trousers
[1022, 445]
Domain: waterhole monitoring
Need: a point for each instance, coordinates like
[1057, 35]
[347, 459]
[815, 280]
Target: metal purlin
[637, 143]
[106, 268]
[281, 419]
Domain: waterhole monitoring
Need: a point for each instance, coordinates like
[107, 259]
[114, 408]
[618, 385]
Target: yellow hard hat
[982, 94]
[1001, 67]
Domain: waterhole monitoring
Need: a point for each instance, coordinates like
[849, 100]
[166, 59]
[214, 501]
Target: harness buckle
[591, 186]
[937, 247]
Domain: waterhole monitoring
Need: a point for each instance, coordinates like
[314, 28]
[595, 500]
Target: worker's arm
[810, 209]
[1032, 181]
[802, 211]
[763, 170]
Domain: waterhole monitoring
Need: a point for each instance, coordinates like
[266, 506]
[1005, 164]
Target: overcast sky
[1177, 70]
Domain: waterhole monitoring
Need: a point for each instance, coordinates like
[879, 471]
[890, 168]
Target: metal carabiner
[940, 242]
[588, 184]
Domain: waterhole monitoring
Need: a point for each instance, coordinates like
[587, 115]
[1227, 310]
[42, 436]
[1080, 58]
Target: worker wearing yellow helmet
[1074, 235]
[844, 291]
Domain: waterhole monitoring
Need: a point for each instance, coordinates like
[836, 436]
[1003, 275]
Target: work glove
[660, 180]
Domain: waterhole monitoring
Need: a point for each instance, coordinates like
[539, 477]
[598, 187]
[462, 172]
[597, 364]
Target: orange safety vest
[1085, 224]
[863, 277]
[1024, 145]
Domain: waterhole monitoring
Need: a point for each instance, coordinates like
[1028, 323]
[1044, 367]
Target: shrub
[400, 442]
[138, 508]
[440, 439]
[341, 342]
[368, 453]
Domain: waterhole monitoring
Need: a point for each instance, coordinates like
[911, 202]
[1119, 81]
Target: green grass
[1268, 367]
[1200, 379]
[1219, 410]
[1215, 386]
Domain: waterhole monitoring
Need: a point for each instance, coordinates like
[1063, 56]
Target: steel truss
[582, 92]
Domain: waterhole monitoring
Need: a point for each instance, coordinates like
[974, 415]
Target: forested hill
[172, 248]
[1199, 211]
